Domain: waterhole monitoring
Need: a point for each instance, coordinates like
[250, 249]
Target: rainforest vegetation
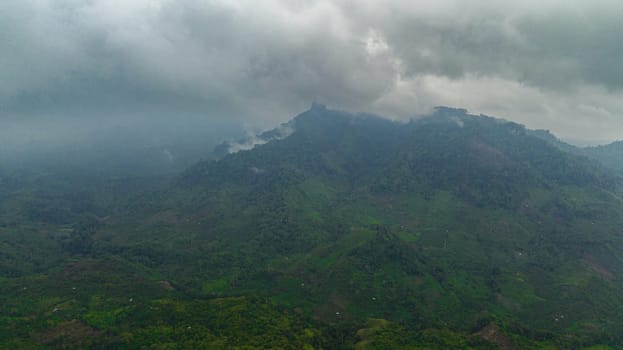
[454, 231]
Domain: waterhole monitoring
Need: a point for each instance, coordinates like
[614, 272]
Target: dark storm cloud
[556, 48]
[549, 64]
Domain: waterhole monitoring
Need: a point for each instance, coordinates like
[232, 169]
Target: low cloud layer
[548, 64]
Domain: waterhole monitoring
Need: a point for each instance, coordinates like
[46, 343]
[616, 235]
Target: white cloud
[551, 63]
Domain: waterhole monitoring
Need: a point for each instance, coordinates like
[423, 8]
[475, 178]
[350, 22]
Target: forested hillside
[351, 231]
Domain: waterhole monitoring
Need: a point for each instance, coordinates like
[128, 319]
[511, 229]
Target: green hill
[449, 232]
[610, 155]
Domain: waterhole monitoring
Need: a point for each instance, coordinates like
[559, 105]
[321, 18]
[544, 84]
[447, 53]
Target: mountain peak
[444, 110]
[315, 106]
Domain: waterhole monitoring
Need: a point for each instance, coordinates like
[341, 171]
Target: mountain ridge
[445, 232]
[464, 180]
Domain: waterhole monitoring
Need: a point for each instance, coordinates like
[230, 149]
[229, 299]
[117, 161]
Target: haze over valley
[333, 174]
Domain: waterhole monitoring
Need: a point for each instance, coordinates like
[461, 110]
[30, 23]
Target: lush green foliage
[452, 232]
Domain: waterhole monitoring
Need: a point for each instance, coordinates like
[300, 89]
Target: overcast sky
[547, 64]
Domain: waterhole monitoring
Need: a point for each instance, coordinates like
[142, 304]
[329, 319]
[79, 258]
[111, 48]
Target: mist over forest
[311, 174]
[114, 147]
